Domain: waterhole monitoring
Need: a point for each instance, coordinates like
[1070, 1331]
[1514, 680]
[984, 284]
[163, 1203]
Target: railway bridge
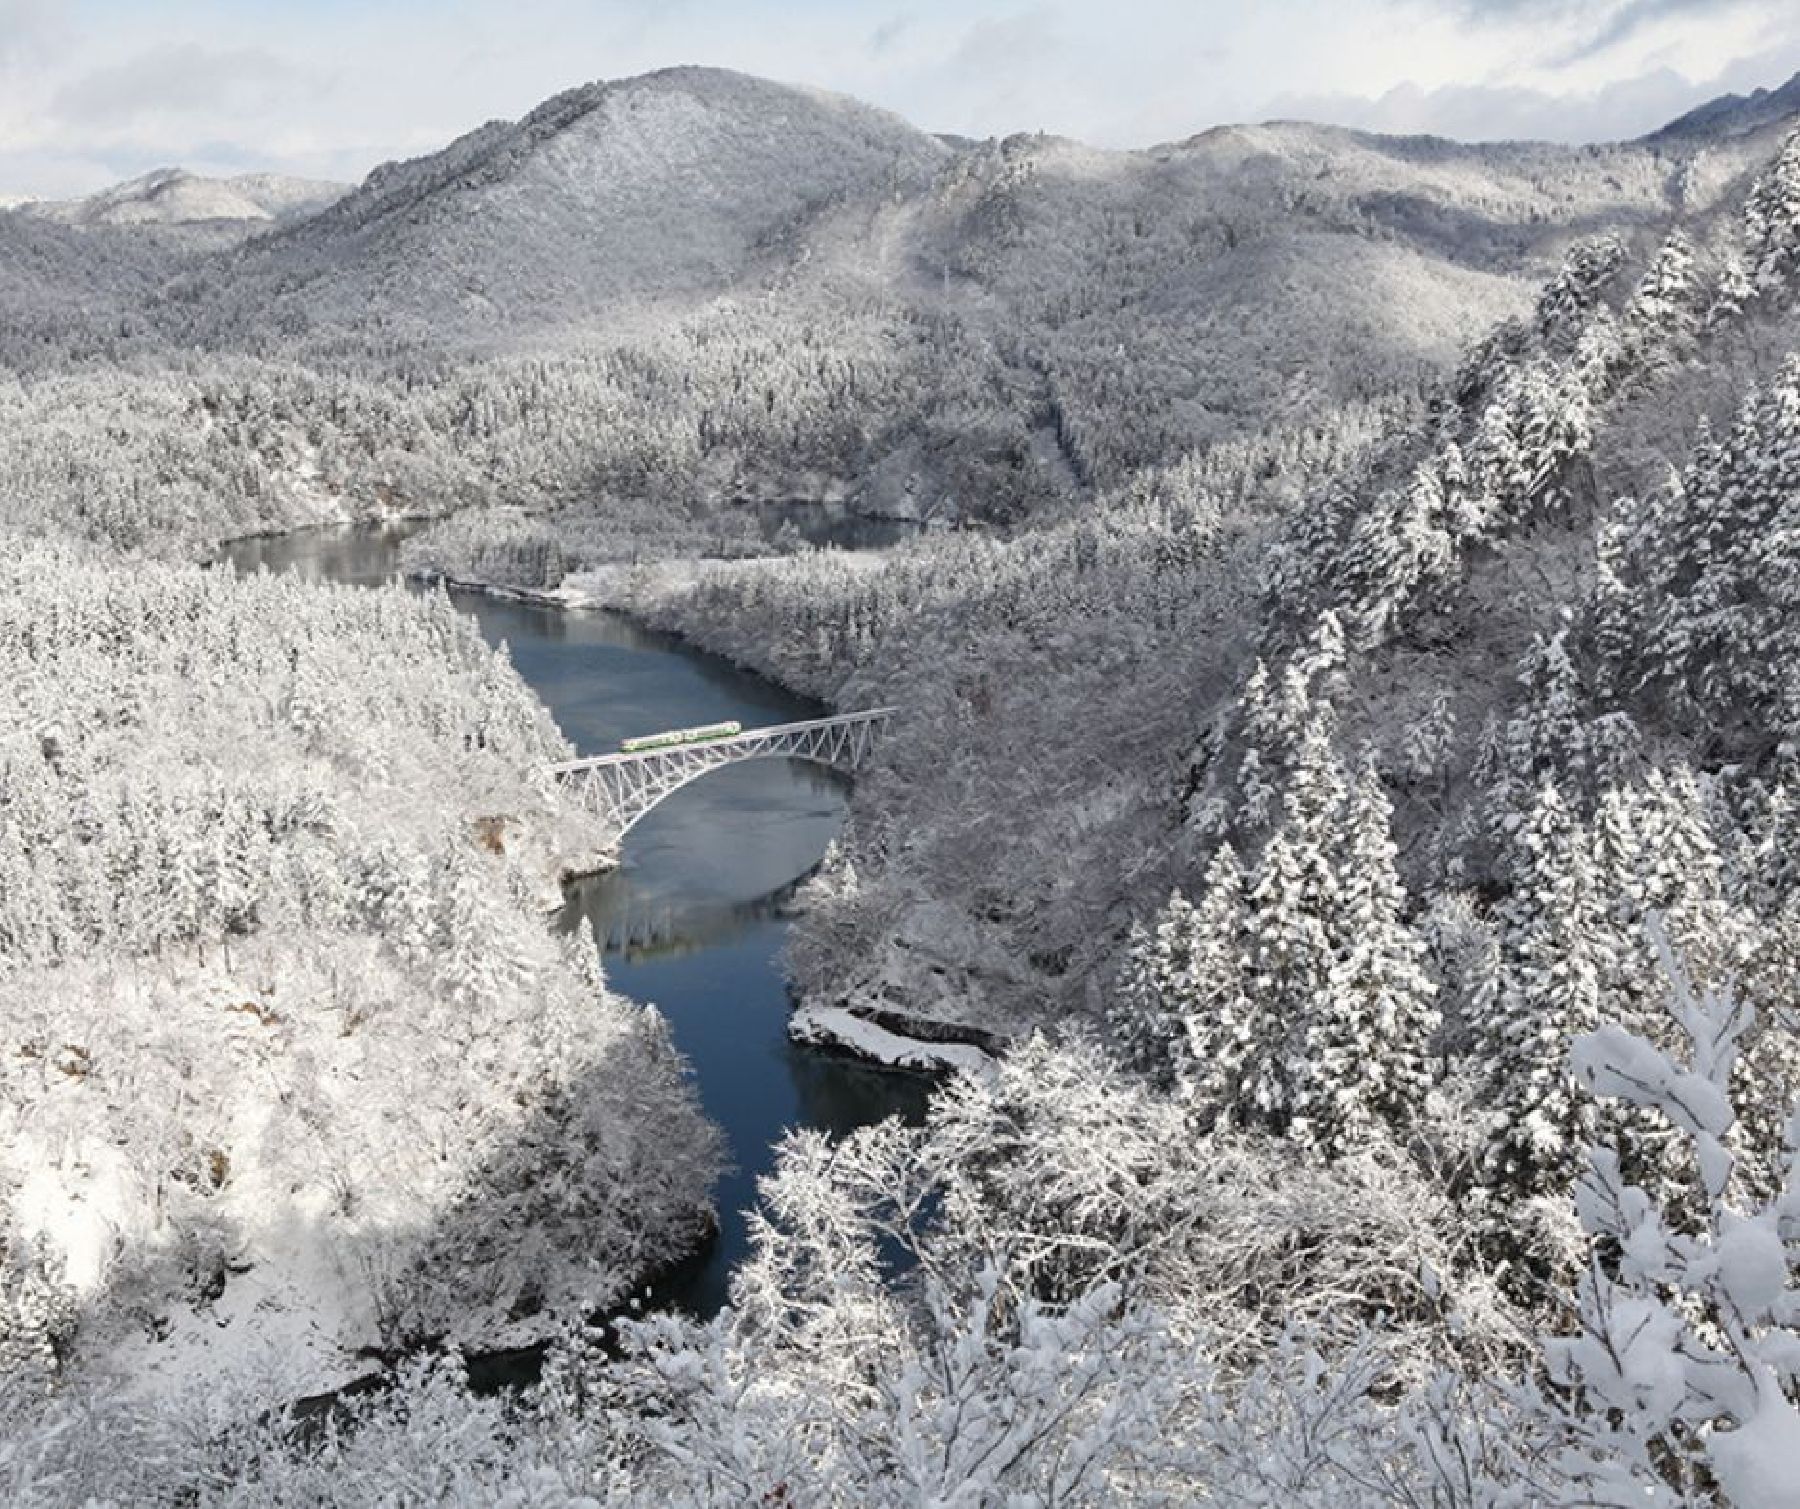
[623, 788]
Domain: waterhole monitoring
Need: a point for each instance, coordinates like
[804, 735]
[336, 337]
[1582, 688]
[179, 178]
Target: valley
[1337, 594]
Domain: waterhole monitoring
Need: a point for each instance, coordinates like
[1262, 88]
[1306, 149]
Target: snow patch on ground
[839, 1027]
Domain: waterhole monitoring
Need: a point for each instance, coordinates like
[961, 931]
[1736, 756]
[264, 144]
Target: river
[692, 920]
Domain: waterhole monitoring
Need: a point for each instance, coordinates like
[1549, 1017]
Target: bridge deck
[748, 736]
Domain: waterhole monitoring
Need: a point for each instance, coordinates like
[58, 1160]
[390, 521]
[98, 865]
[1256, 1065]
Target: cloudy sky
[92, 91]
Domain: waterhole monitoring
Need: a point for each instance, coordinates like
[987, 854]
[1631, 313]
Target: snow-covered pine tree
[38, 1315]
[1546, 739]
[1772, 221]
[1290, 964]
[1148, 1009]
[1365, 1062]
[1614, 616]
[1717, 558]
[1576, 290]
[1546, 992]
[1258, 805]
[1223, 1030]
[478, 960]
[1293, 912]
[1426, 743]
[1663, 312]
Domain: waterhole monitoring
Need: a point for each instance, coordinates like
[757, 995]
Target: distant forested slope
[697, 287]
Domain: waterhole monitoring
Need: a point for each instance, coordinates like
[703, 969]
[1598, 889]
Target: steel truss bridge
[623, 788]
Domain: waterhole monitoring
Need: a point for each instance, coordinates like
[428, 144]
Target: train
[705, 734]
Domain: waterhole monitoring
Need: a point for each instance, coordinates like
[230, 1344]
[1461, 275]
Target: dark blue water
[692, 921]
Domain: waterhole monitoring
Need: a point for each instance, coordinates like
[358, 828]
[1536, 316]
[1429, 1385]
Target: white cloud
[1534, 108]
[97, 89]
[179, 78]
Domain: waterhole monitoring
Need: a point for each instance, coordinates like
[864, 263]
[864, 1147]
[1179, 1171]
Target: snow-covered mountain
[748, 289]
[1736, 114]
[173, 196]
[677, 182]
[698, 182]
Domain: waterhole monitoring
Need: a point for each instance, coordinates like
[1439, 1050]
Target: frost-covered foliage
[294, 1067]
[1050, 1295]
[1045, 1292]
[1682, 1375]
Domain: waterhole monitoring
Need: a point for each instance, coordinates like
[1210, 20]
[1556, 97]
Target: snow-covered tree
[1223, 1029]
[1365, 1066]
[1151, 1004]
[1680, 1379]
[1545, 993]
[1772, 221]
[1715, 556]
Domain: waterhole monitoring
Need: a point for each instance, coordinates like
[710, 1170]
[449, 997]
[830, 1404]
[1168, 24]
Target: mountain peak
[1737, 114]
[682, 179]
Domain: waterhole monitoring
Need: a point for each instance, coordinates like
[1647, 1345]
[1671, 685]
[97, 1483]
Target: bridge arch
[623, 789]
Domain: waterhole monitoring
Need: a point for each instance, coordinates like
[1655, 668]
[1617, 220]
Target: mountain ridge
[689, 185]
[175, 196]
[1735, 114]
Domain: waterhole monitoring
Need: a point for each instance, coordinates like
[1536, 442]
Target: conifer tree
[1293, 922]
[1568, 298]
[1290, 967]
[1717, 558]
[1222, 1029]
[1148, 1010]
[1772, 221]
[1664, 309]
[1427, 741]
[1545, 994]
[1613, 615]
[1365, 1044]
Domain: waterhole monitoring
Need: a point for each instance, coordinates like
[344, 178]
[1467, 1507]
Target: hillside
[65, 294]
[288, 1043]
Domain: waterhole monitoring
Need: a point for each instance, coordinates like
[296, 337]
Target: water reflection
[830, 524]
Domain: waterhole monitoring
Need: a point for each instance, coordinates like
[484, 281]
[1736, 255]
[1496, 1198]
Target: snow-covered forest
[1347, 767]
[294, 1069]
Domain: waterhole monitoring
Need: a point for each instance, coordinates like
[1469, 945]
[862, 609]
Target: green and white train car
[674, 736]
